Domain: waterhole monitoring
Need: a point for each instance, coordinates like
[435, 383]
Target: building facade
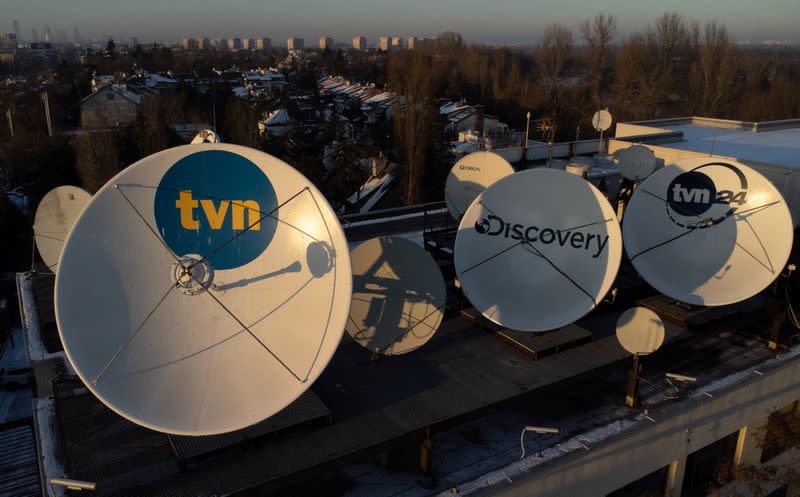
[325, 42]
[294, 43]
[359, 43]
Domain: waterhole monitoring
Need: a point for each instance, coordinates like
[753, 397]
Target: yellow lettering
[215, 217]
[187, 205]
[253, 217]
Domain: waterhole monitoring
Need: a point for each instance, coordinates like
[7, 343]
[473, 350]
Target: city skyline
[514, 22]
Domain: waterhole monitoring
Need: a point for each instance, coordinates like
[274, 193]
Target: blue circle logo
[691, 193]
[215, 204]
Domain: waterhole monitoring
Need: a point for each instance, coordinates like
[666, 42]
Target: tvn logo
[215, 215]
[195, 210]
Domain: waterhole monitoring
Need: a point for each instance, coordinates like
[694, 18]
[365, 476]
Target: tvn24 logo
[693, 193]
[206, 199]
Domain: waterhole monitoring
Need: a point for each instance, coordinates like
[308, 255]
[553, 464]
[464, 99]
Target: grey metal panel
[19, 463]
[307, 407]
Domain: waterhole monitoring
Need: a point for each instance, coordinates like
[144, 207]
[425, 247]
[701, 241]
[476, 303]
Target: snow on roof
[153, 80]
[241, 92]
[277, 118]
[781, 146]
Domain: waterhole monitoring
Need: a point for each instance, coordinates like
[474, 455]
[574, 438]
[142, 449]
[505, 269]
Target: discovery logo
[569, 238]
[206, 199]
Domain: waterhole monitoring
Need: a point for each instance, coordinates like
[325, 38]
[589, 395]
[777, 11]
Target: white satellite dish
[636, 163]
[56, 214]
[640, 331]
[203, 289]
[537, 250]
[206, 136]
[601, 120]
[471, 175]
[398, 296]
[708, 232]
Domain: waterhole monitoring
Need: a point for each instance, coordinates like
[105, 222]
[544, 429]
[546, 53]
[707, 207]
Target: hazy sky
[500, 21]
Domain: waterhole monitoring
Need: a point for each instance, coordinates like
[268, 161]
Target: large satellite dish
[203, 289]
[56, 214]
[640, 331]
[471, 175]
[601, 120]
[398, 296]
[538, 250]
[206, 136]
[708, 232]
[636, 163]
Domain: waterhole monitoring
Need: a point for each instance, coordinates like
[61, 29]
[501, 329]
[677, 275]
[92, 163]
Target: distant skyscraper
[133, 43]
[383, 43]
[48, 36]
[234, 43]
[325, 42]
[34, 35]
[15, 27]
[204, 43]
[397, 43]
[76, 35]
[263, 43]
[359, 43]
[294, 43]
[249, 43]
[411, 41]
[189, 44]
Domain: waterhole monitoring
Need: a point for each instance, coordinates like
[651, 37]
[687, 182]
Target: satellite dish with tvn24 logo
[707, 231]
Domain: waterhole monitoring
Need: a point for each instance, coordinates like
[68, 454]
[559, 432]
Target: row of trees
[672, 67]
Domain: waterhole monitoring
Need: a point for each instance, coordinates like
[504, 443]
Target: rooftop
[472, 386]
[776, 142]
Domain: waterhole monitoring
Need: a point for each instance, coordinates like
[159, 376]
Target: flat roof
[780, 146]
[774, 142]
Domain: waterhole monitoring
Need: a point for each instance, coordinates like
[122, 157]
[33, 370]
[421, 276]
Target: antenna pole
[633, 379]
[600, 145]
[527, 129]
[10, 122]
[47, 114]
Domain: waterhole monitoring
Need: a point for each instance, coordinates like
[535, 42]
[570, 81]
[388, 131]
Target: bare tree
[96, 159]
[637, 89]
[414, 114]
[598, 35]
[551, 57]
[711, 77]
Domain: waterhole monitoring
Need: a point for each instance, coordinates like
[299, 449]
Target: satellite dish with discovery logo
[398, 296]
[55, 215]
[471, 175]
[708, 232]
[203, 289]
[538, 250]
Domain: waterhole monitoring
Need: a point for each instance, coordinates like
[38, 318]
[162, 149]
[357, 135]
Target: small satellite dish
[56, 214]
[203, 289]
[398, 296]
[206, 136]
[636, 163]
[538, 250]
[471, 175]
[601, 120]
[708, 232]
[640, 331]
